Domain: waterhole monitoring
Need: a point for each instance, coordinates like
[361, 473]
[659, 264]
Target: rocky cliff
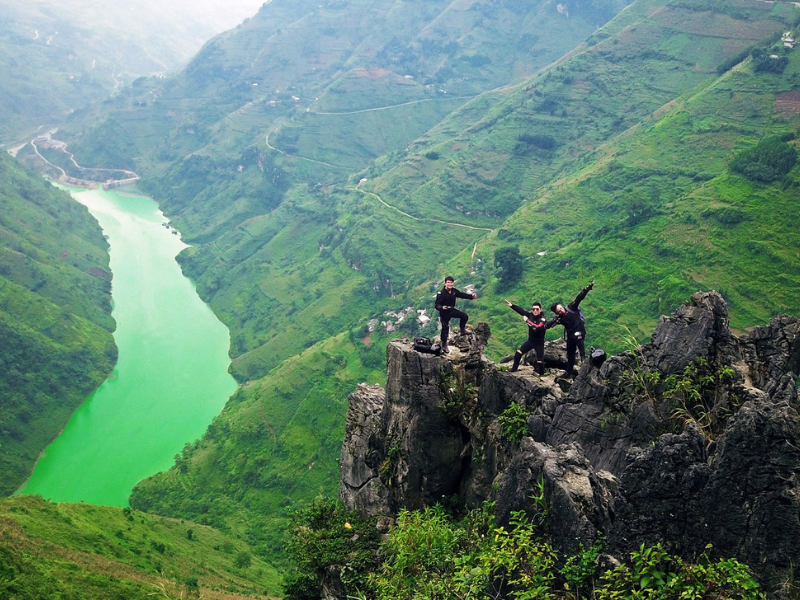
[692, 439]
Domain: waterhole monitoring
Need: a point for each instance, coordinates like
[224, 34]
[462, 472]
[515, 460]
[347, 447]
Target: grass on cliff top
[76, 551]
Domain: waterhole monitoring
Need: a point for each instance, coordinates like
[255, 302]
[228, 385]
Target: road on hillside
[405, 214]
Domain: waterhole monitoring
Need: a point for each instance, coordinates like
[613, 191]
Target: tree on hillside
[766, 61]
[769, 160]
[509, 262]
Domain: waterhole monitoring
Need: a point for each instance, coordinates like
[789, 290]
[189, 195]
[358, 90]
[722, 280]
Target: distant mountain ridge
[57, 57]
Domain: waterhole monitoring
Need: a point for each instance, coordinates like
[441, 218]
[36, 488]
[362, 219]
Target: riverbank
[171, 378]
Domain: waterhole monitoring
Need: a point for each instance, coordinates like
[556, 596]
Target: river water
[171, 378]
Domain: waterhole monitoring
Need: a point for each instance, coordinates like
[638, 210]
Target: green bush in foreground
[431, 555]
[326, 537]
[655, 575]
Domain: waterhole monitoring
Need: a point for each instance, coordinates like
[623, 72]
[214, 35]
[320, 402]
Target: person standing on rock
[537, 324]
[446, 305]
[573, 321]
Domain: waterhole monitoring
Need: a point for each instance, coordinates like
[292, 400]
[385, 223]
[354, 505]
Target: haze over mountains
[58, 56]
[332, 161]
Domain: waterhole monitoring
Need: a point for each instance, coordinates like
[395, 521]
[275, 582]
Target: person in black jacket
[571, 318]
[446, 305]
[537, 324]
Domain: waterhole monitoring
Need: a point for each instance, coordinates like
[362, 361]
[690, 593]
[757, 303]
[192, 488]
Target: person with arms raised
[537, 324]
[571, 317]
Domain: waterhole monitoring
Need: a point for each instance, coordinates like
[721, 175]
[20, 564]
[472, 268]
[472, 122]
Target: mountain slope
[474, 169]
[295, 60]
[491, 165]
[55, 320]
[203, 141]
[612, 199]
[82, 551]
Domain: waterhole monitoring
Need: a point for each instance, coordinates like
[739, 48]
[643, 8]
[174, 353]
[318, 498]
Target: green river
[171, 379]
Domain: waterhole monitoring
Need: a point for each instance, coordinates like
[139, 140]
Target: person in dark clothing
[446, 305]
[537, 324]
[571, 317]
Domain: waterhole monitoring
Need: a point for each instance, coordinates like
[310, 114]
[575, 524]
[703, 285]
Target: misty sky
[166, 33]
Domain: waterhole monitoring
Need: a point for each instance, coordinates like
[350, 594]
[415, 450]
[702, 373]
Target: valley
[171, 377]
[328, 164]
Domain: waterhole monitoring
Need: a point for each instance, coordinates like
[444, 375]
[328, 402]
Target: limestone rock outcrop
[692, 439]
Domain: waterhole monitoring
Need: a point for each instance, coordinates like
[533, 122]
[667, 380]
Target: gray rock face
[578, 501]
[772, 354]
[622, 451]
[363, 449]
[698, 329]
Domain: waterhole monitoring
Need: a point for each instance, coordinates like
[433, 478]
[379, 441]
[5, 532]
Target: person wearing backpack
[574, 322]
[537, 324]
[446, 305]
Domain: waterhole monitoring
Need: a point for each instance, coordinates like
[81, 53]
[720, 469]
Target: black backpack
[427, 346]
[597, 356]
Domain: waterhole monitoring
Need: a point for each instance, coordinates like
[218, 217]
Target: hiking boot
[445, 349]
[513, 369]
[565, 375]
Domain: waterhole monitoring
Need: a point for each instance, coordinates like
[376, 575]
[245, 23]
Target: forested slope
[55, 321]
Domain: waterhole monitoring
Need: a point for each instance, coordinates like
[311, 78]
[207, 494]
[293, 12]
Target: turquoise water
[171, 379]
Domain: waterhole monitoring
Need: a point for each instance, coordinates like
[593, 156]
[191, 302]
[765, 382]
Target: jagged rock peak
[690, 439]
[699, 328]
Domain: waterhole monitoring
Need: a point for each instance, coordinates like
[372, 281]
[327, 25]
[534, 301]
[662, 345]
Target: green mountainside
[78, 551]
[302, 64]
[463, 178]
[617, 163]
[295, 77]
[632, 163]
[55, 321]
[330, 163]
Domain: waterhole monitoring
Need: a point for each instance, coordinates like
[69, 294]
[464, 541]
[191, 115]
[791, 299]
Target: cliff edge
[692, 439]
